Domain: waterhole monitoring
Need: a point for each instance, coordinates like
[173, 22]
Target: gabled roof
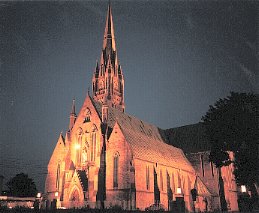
[202, 189]
[145, 140]
[191, 138]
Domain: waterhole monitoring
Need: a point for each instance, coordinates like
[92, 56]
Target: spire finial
[109, 38]
[73, 110]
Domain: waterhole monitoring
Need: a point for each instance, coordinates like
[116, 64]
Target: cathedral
[109, 158]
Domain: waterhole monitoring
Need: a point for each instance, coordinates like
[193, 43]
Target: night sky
[178, 57]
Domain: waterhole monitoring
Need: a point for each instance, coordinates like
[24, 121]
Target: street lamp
[38, 195]
[56, 194]
[179, 191]
[243, 188]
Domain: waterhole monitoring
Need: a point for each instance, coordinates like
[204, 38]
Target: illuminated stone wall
[209, 175]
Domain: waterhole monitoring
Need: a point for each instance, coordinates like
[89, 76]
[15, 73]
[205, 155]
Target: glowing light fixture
[56, 194]
[38, 195]
[243, 188]
[178, 191]
[77, 146]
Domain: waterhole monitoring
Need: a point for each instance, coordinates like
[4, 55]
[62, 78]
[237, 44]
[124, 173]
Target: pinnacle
[73, 110]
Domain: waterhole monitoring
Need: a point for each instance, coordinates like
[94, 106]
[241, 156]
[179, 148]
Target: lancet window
[115, 169]
[58, 177]
[161, 180]
[87, 116]
[147, 178]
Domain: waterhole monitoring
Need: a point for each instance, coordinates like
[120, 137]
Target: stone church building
[109, 158]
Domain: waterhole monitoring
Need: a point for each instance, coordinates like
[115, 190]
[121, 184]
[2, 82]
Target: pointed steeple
[108, 80]
[72, 119]
[109, 38]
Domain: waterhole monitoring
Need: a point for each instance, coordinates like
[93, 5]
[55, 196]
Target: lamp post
[179, 191]
[180, 200]
[55, 200]
[243, 189]
[37, 202]
[38, 195]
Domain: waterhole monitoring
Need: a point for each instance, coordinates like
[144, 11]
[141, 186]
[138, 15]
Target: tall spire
[109, 38]
[108, 80]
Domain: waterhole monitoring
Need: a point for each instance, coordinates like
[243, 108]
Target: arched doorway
[74, 198]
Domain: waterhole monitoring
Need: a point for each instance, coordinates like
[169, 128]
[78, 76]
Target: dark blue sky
[178, 57]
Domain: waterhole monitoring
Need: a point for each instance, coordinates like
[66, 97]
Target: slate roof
[146, 140]
[190, 138]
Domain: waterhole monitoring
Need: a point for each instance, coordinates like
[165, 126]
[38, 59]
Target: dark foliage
[21, 186]
[232, 125]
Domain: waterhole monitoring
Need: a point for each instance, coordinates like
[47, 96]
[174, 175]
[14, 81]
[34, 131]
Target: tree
[22, 186]
[232, 125]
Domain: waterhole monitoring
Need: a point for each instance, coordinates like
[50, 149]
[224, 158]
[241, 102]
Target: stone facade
[109, 158]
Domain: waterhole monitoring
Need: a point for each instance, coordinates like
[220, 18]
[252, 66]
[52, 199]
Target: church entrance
[74, 198]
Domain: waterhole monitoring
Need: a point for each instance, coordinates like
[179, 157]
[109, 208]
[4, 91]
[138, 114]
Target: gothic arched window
[93, 143]
[115, 169]
[173, 184]
[87, 115]
[147, 178]
[58, 177]
[78, 146]
[161, 180]
[93, 146]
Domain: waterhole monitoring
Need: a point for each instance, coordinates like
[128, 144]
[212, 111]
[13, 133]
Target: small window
[87, 116]
[87, 119]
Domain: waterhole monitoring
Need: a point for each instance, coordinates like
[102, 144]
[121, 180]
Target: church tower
[108, 80]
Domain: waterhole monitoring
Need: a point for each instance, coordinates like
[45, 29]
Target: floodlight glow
[77, 146]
